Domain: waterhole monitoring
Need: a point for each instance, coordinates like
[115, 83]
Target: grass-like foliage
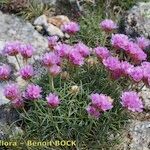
[70, 120]
[34, 9]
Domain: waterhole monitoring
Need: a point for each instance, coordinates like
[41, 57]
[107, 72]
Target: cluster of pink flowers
[12, 92]
[4, 72]
[14, 48]
[52, 41]
[27, 72]
[53, 100]
[108, 25]
[76, 54]
[102, 52]
[121, 41]
[70, 28]
[52, 61]
[63, 49]
[119, 69]
[33, 92]
[82, 49]
[99, 103]
[50, 58]
[26, 50]
[54, 70]
[142, 42]
[131, 101]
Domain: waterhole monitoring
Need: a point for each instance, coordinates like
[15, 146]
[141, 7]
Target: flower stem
[18, 61]
[51, 82]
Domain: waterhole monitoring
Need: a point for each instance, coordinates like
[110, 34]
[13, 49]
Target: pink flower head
[12, 91]
[143, 42]
[131, 101]
[18, 103]
[55, 70]
[82, 48]
[33, 92]
[63, 50]
[135, 52]
[101, 101]
[53, 100]
[26, 50]
[125, 67]
[52, 41]
[146, 72]
[108, 25]
[93, 112]
[76, 58]
[27, 72]
[112, 63]
[140, 56]
[146, 69]
[119, 41]
[4, 72]
[102, 52]
[136, 73]
[12, 48]
[70, 28]
[50, 59]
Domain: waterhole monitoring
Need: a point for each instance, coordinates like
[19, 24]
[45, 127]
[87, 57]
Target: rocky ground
[137, 134]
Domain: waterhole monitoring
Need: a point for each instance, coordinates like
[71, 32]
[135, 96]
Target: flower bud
[75, 89]
[65, 75]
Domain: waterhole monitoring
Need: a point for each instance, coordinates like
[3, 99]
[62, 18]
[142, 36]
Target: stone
[51, 25]
[13, 28]
[41, 21]
[58, 21]
[9, 123]
[137, 20]
[140, 135]
[53, 30]
[50, 2]
[145, 94]
[3, 100]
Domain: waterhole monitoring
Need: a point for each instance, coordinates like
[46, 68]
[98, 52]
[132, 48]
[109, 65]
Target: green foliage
[70, 120]
[34, 10]
[4, 1]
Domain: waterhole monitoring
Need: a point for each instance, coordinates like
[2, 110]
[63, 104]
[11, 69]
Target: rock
[139, 135]
[41, 21]
[53, 30]
[3, 100]
[9, 123]
[58, 21]
[137, 21]
[51, 25]
[50, 2]
[145, 94]
[13, 28]
[39, 28]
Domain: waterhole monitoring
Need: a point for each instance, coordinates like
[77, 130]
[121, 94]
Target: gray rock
[50, 2]
[13, 28]
[145, 94]
[137, 21]
[53, 30]
[140, 135]
[41, 21]
[3, 100]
